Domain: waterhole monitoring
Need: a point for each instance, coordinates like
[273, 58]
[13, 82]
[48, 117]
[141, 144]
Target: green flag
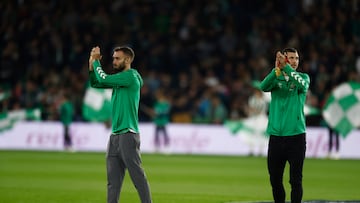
[236, 126]
[310, 110]
[342, 109]
[4, 95]
[97, 104]
[8, 119]
[252, 125]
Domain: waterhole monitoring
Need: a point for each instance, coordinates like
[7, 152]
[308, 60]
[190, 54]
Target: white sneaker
[336, 155]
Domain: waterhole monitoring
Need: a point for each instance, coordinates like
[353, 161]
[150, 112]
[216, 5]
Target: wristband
[277, 71]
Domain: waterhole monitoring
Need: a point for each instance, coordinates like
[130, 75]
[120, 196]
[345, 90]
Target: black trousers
[284, 149]
[333, 140]
[67, 138]
[158, 131]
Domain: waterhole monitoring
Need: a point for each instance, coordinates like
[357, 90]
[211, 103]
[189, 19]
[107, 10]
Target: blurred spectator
[217, 112]
[66, 111]
[334, 144]
[161, 117]
[184, 47]
[257, 119]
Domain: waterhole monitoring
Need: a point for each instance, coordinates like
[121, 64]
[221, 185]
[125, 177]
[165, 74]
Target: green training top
[288, 96]
[125, 96]
[66, 113]
[162, 113]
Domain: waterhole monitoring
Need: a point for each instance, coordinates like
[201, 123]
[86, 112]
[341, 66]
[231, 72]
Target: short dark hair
[127, 51]
[289, 49]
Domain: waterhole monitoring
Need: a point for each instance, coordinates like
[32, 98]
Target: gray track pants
[123, 153]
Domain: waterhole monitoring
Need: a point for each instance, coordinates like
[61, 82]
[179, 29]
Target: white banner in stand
[184, 139]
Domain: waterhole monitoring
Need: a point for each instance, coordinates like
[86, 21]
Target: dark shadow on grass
[308, 201]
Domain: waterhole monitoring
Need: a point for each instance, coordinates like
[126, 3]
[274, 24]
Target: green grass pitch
[60, 177]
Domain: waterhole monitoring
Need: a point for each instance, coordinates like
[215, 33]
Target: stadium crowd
[204, 54]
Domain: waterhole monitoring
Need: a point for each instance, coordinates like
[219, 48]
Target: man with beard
[286, 123]
[123, 151]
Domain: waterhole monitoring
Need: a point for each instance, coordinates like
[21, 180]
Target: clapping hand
[94, 55]
[281, 60]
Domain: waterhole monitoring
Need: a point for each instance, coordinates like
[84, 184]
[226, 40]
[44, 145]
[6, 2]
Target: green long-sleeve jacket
[125, 96]
[66, 113]
[288, 96]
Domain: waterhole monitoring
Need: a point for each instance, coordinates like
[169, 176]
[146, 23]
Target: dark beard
[117, 70]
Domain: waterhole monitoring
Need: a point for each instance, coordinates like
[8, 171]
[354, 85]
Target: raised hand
[94, 55]
[281, 60]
